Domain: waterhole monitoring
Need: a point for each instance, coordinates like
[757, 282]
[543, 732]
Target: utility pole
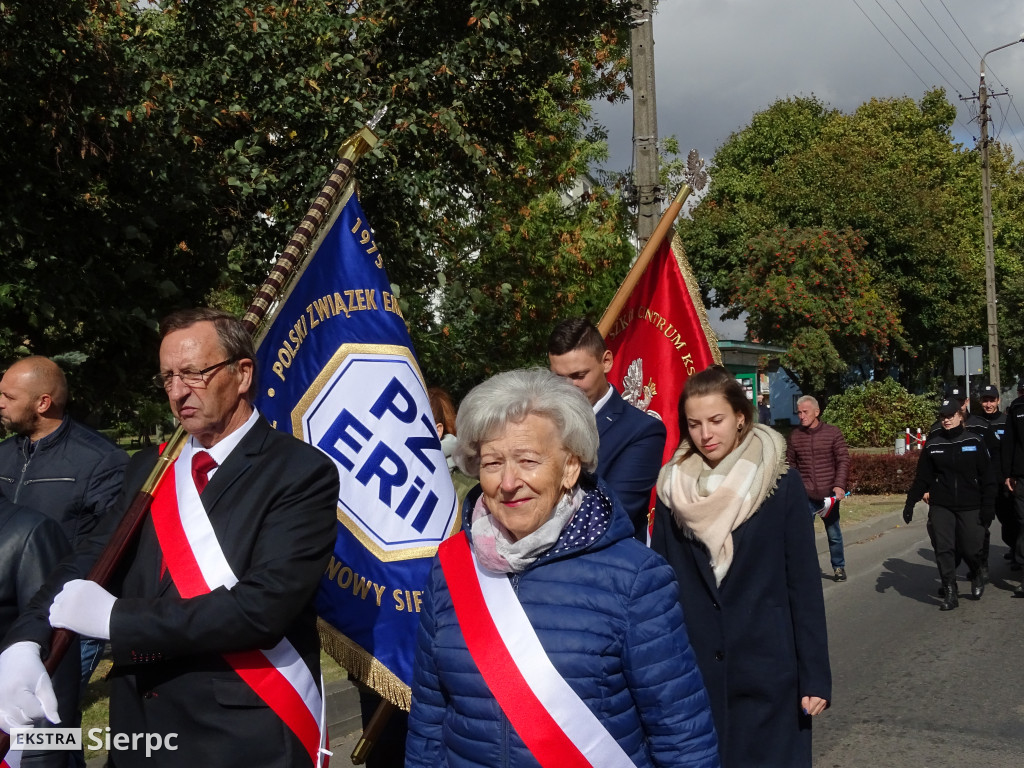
[990, 258]
[645, 122]
[986, 197]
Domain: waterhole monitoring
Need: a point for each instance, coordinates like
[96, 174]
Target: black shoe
[950, 600]
[977, 587]
[840, 574]
[1019, 591]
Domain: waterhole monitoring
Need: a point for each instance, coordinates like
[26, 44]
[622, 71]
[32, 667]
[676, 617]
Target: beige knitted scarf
[710, 503]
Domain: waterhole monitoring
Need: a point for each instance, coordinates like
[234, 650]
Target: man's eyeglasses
[192, 379]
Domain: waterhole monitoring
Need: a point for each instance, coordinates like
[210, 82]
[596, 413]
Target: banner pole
[696, 178]
[355, 146]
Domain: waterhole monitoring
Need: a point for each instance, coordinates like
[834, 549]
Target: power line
[920, 52]
[894, 48]
[943, 30]
[1005, 123]
[1021, 119]
[960, 28]
[934, 47]
[990, 72]
[969, 64]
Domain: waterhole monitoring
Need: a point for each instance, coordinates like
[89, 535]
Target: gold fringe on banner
[691, 285]
[363, 666]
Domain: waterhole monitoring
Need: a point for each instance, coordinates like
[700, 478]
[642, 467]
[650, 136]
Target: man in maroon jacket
[819, 453]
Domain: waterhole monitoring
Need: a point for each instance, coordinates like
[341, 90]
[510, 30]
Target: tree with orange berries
[812, 291]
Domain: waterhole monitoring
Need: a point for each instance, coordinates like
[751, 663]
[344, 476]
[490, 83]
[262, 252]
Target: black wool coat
[760, 636]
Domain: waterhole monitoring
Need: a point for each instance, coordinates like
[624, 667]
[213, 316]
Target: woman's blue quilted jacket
[608, 616]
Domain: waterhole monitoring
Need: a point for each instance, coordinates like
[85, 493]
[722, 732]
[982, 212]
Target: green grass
[856, 509]
[330, 669]
[95, 707]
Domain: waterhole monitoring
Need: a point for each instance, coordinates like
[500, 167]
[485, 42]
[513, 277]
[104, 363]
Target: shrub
[873, 473]
[875, 414]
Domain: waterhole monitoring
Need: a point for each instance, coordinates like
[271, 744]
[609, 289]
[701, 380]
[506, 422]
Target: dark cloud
[717, 62]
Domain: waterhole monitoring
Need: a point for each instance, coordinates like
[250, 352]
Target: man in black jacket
[631, 440]
[955, 477]
[1012, 460]
[995, 422]
[55, 465]
[210, 616]
[31, 545]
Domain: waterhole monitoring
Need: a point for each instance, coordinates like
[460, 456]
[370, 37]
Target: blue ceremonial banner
[337, 369]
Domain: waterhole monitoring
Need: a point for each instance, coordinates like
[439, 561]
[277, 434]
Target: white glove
[26, 693]
[83, 607]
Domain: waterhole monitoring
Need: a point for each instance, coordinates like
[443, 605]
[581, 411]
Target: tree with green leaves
[889, 172]
[89, 242]
[161, 153]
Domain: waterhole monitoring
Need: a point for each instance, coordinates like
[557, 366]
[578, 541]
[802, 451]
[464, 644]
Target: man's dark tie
[202, 463]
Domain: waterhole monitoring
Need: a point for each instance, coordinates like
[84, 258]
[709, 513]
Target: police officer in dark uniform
[957, 394]
[1012, 460]
[956, 479]
[995, 420]
[961, 397]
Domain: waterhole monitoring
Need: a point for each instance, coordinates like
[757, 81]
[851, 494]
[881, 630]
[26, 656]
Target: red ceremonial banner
[660, 337]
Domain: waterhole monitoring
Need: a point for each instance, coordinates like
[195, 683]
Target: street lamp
[986, 197]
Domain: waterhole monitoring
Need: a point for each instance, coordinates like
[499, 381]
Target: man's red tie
[202, 463]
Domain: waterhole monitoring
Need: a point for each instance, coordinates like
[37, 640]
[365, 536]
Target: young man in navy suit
[632, 442]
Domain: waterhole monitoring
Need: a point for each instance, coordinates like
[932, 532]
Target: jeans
[832, 532]
[92, 652]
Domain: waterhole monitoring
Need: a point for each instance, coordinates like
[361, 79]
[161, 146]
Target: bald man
[53, 464]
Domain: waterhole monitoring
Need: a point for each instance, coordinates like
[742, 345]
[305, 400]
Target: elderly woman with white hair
[549, 635]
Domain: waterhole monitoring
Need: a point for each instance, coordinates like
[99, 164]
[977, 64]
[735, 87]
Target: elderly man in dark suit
[631, 441]
[211, 622]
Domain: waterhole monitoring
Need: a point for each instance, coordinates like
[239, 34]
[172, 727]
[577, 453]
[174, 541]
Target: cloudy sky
[717, 62]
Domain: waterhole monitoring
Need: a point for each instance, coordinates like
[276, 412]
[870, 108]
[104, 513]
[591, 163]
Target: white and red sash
[555, 724]
[197, 564]
[12, 759]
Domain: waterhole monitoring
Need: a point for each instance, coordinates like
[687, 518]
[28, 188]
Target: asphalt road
[914, 686]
